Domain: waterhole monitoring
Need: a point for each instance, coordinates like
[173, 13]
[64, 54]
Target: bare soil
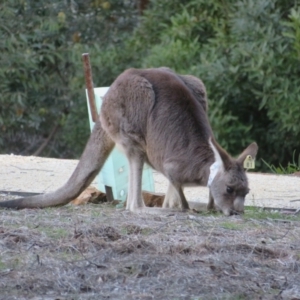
[96, 251]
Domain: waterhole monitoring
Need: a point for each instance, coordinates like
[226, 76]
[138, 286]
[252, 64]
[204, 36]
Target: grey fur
[157, 117]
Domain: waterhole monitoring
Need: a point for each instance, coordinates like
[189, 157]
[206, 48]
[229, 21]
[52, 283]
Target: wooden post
[94, 114]
[90, 85]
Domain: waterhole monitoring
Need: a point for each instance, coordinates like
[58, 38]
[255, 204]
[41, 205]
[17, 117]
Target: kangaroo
[160, 118]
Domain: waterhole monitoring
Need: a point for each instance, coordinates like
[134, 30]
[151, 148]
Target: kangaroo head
[228, 181]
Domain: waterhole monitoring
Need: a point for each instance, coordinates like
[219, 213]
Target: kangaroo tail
[94, 155]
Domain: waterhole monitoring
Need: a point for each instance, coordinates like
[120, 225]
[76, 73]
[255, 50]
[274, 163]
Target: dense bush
[246, 52]
[41, 72]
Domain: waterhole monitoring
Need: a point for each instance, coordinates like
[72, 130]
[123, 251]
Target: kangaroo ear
[221, 156]
[250, 150]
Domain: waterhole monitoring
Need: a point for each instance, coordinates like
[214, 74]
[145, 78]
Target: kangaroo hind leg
[134, 197]
[175, 197]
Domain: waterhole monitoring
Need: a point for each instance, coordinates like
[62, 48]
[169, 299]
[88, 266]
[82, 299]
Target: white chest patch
[214, 168]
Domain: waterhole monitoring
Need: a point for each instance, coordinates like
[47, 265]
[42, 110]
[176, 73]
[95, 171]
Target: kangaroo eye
[229, 190]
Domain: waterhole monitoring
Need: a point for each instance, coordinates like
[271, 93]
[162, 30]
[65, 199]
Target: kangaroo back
[195, 85]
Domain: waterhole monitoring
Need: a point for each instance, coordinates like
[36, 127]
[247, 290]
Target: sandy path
[36, 174]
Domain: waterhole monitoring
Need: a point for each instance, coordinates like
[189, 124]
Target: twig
[85, 258]
[162, 226]
[25, 169]
[46, 142]
[283, 236]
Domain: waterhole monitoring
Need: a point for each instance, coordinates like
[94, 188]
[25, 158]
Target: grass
[55, 233]
[70, 256]
[11, 263]
[231, 226]
[252, 212]
[291, 168]
[121, 255]
[3, 265]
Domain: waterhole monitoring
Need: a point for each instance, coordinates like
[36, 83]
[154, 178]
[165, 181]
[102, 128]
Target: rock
[90, 194]
[153, 199]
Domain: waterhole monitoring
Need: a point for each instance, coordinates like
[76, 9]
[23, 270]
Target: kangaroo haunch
[159, 118]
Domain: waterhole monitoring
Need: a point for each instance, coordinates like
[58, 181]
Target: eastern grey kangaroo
[159, 118]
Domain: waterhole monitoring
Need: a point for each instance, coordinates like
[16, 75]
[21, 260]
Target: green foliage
[292, 167]
[41, 72]
[246, 52]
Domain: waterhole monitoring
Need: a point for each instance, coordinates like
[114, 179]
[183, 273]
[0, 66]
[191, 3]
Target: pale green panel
[148, 181]
[115, 172]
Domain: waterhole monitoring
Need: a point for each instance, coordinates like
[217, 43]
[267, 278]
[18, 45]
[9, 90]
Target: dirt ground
[96, 251]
